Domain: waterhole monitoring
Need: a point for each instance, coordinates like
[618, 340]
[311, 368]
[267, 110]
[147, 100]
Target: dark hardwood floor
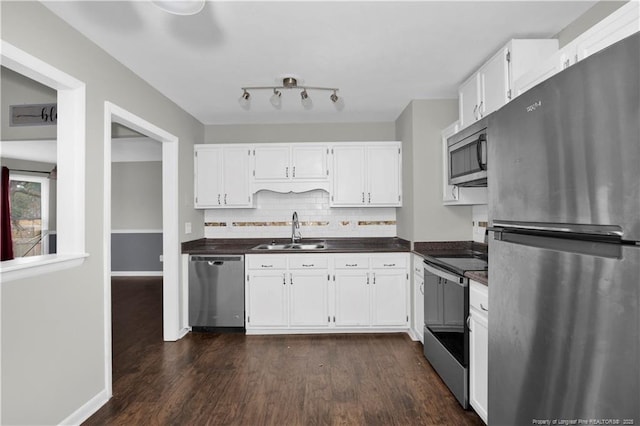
[218, 379]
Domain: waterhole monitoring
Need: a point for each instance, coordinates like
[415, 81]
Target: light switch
[187, 227]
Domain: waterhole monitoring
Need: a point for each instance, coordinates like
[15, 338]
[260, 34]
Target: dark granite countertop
[333, 245]
[480, 276]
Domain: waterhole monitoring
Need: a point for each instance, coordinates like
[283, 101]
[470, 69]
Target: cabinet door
[267, 301]
[617, 26]
[352, 298]
[235, 171]
[389, 301]
[469, 97]
[208, 179]
[272, 162]
[308, 298]
[383, 175]
[308, 161]
[478, 363]
[449, 192]
[348, 176]
[494, 83]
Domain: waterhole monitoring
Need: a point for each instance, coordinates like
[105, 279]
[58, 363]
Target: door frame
[172, 329]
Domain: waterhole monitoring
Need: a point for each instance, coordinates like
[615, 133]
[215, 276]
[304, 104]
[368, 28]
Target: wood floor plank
[234, 379]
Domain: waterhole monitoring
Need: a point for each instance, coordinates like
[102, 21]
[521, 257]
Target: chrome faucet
[295, 225]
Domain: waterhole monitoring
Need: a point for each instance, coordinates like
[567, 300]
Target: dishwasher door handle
[215, 262]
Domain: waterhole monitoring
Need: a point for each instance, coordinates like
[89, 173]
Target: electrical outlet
[161, 258]
[187, 227]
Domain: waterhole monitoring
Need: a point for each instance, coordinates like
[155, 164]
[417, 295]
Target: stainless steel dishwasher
[216, 293]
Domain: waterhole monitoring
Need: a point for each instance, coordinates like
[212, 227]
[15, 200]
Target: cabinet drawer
[266, 262]
[392, 262]
[479, 297]
[306, 262]
[352, 263]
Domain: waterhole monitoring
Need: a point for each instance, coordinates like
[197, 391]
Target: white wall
[422, 216]
[595, 14]
[52, 341]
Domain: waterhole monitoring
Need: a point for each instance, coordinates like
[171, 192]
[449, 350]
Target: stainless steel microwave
[467, 156]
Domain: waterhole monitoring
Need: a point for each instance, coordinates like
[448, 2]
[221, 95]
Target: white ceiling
[380, 54]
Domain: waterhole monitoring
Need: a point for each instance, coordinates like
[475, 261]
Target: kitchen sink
[292, 246]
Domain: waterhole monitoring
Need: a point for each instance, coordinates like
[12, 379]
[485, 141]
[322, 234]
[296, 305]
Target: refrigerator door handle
[565, 228]
[570, 245]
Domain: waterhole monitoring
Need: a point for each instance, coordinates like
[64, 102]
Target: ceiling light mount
[288, 83]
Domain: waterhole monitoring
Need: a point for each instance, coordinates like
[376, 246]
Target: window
[29, 197]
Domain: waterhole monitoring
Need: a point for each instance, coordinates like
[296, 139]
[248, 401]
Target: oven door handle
[446, 275]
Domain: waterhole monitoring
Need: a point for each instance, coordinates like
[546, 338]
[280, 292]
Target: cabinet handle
[225, 199]
[363, 197]
[294, 171]
[308, 266]
[453, 192]
[291, 279]
[480, 109]
[266, 266]
[369, 198]
[475, 112]
[469, 322]
[483, 308]
[422, 288]
[389, 264]
[374, 277]
[218, 199]
[350, 265]
[367, 278]
[286, 171]
[284, 279]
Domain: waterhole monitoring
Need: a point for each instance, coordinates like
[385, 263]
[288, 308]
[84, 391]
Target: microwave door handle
[482, 140]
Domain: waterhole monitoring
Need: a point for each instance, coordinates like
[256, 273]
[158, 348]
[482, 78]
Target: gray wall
[588, 19]
[422, 216]
[136, 195]
[327, 132]
[136, 204]
[60, 366]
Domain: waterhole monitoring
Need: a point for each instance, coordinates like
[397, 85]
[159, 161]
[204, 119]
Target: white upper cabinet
[222, 176]
[620, 24]
[290, 167]
[491, 86]
[366, 175]
[272, 162]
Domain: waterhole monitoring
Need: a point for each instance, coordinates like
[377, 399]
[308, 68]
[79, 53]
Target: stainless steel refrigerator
[564, 257]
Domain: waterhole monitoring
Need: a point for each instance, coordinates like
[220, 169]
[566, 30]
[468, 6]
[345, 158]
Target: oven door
[446, 336]
[468, 159]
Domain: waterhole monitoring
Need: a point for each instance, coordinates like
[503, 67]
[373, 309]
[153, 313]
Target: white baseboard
[136, 273]
[264, 331]
[87, 410]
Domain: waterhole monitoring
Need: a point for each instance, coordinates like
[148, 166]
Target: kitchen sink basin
[291, 246]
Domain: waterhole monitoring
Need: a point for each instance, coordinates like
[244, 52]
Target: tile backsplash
[480, 218]
[272, 218]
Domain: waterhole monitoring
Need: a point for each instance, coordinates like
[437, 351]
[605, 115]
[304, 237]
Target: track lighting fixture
[291, 83]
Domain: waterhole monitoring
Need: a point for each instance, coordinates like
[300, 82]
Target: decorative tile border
[376, 222]
[215, 224]
[311, 223]
[481, 224]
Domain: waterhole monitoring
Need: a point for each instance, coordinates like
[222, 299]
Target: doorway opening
[171, 324]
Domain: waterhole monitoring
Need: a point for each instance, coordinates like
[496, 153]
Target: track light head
[245, 100]
[276, 99]
[306, 100]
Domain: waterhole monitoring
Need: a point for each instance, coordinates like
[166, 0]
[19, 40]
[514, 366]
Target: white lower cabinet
[478, 348]
[321, 293]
